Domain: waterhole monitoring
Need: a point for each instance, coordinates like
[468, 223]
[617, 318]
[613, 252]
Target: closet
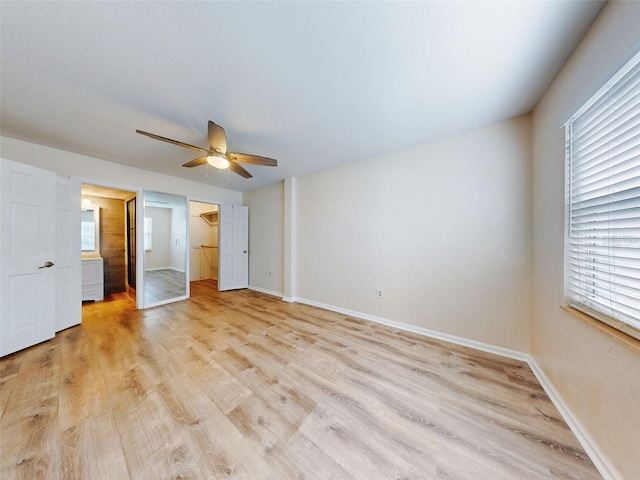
[203, 235]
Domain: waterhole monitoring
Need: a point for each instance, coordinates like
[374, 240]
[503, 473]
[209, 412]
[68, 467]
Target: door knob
[245, 251]
[47, 265]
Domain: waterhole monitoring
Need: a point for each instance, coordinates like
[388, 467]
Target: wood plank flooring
[163, 284]
[242, 385]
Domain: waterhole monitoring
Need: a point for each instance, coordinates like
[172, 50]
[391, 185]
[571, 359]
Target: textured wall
[95, 170]
[266, 237]
[597, 376]
[160, 254]
[178, 244]
[442, 228]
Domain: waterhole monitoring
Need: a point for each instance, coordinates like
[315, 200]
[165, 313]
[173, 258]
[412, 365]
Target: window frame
[603, 96]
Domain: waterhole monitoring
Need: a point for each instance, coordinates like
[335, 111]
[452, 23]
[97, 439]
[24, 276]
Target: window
[602, 259]
[148, 234]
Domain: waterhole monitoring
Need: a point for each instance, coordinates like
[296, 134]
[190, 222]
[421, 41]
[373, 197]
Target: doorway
[107, 242]
[203, 237]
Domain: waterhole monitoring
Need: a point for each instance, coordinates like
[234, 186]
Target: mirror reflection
[90, 230]
[165, 253]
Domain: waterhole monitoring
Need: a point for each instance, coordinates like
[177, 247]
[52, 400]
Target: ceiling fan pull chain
[228, 176]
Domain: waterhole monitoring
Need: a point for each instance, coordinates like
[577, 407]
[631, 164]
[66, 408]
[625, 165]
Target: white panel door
[233, 269]
[68, 254]
[27, 255]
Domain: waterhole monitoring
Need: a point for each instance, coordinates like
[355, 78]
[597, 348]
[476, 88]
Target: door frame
[212, 202]
[189, 246]
[132, 257]
[68, 254]
[139, 228]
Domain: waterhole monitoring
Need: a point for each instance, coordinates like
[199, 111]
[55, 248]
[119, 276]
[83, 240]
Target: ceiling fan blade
[175, 142]
[253, 159]
[217, 138]
[197, 162]
[234, 167]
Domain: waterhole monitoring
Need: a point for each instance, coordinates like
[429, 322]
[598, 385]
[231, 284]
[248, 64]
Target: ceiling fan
[217, 155]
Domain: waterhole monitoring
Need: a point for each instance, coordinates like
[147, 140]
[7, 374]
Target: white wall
[93, 169]
[442, 228]
[266, 237]
[160, 254]
[597, 376]
[178, 239]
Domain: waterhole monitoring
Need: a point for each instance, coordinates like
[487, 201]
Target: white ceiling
[312, 84]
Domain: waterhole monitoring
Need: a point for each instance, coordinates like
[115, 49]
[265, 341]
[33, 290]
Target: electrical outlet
[379, 293]
[270, 273]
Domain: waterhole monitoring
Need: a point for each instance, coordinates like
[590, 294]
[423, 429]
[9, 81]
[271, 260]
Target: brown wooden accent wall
[112, 243]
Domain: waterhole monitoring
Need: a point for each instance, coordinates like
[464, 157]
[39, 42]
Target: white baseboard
[602, 463]
[264, 290]
[604, 466]
[465, 342]
[163, 268]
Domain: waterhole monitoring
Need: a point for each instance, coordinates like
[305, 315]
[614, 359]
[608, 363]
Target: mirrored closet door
[165, 248]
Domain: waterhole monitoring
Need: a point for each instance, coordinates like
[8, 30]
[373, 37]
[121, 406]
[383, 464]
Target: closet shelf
[210, 217]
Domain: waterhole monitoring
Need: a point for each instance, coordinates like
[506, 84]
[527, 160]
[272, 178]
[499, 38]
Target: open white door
[27, 255]
[233, 248]
[68, 253]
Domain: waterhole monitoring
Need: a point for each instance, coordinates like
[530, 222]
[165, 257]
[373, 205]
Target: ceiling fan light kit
[218, 161]
[217, 155]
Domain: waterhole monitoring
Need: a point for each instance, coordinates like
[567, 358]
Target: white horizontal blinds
[603, 248]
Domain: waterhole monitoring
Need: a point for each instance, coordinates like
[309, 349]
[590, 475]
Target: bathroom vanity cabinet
[92, 279]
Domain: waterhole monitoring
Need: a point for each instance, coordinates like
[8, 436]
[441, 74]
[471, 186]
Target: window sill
[612, 332]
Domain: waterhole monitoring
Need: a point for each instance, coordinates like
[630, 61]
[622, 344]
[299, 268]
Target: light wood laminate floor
[242, 385]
